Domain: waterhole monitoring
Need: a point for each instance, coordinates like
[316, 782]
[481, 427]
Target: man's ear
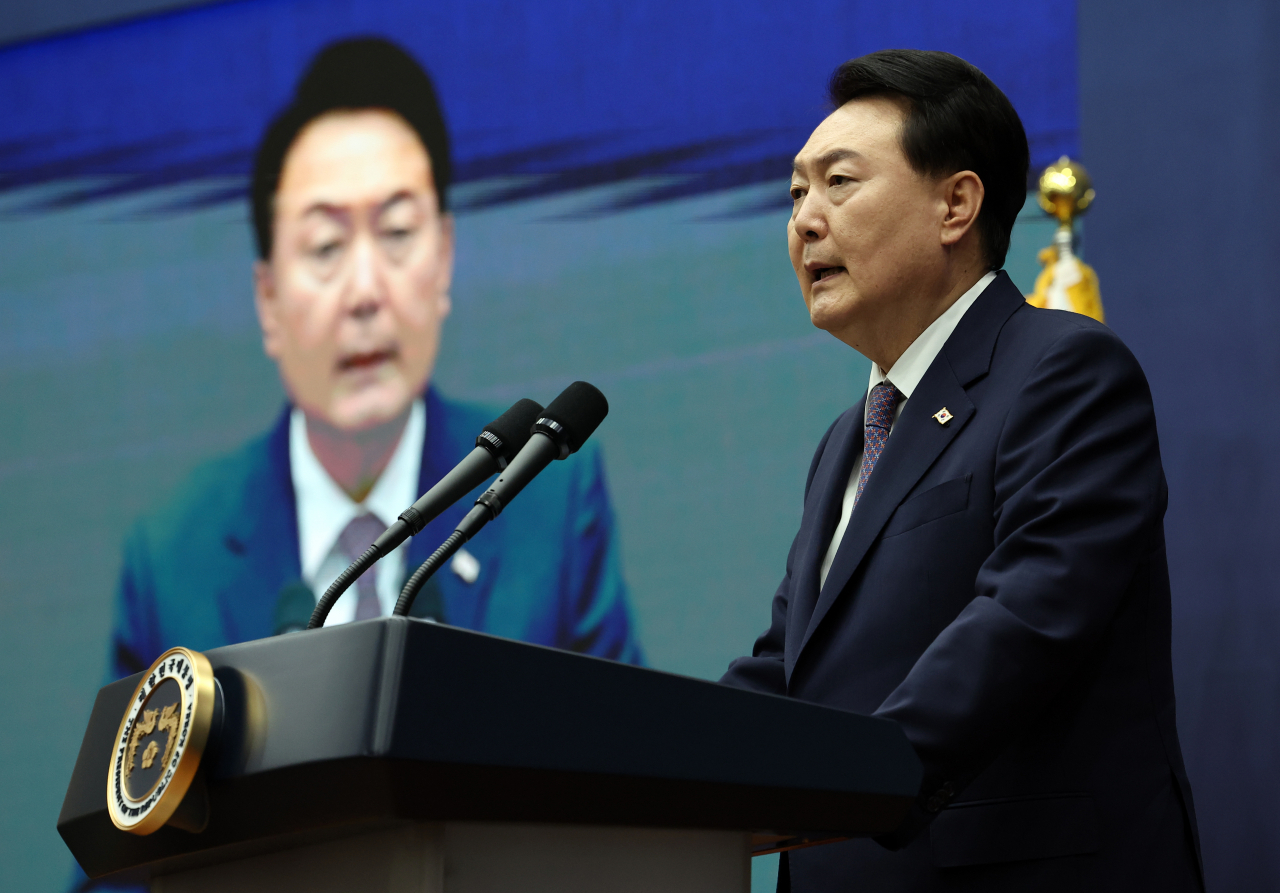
[268, 307]
[963, 193]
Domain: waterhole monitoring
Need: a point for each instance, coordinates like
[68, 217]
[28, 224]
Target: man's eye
[796, 193]
[396, 237]
[839, 180]
[326, 250]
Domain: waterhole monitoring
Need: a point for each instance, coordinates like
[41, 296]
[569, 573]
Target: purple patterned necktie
[355, 538]
[881, 403]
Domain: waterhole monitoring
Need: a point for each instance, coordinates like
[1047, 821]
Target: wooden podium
[402, 755]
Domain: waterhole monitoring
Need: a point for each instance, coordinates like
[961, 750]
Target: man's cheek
[421, 314]
[309, 321]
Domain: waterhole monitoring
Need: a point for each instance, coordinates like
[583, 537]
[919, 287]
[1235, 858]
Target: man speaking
[981, 555]
[352, 285]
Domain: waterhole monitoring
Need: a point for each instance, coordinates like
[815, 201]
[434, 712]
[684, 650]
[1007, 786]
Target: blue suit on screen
[1001, 592]
[208, 568]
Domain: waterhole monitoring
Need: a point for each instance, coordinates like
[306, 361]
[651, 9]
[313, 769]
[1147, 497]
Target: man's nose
[367, 289]
[809, 222]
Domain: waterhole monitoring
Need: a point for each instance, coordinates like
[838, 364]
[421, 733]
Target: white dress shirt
[324, 511]
[905, 376]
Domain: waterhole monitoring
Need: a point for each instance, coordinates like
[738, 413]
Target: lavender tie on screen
[881, 403]
[355, 538]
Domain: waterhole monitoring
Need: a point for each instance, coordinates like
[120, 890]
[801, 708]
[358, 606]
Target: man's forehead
[354, 158]
[860, 129]
[801, 163]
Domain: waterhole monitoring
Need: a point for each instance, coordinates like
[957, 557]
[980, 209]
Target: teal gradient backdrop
[621, 187]
[132, 353]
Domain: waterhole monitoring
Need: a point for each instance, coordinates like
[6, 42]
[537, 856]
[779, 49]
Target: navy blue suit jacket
[1002, 592]
[208, 567]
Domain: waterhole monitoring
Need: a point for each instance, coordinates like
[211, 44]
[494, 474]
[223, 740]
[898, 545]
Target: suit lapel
[261, 540]
[447, 442]
[826, 496]
[439, 454]
[451, 433]
[917, 440]
[915, 444]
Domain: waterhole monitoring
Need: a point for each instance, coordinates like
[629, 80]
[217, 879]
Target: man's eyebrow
[402, 195]
[827, 158]
[332, 209]
[328, 209]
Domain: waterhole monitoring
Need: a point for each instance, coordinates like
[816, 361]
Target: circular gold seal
[160, 742]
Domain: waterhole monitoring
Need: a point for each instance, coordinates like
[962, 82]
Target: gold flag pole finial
[1066, 190]
[1066, 282]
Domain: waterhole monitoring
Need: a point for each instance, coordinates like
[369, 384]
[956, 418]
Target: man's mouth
[355, 362]
[820, 273]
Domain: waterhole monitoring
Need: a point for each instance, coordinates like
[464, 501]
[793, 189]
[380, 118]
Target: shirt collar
[324, 509]
[916, 359]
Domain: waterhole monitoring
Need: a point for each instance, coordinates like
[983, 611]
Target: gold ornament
[1066, 282]
[1066, 190]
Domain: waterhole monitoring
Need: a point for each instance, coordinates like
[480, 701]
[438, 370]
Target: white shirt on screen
[905, 375]
[324, 511]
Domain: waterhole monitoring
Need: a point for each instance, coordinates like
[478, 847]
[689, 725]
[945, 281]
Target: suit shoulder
[573, 480]
[1047, 326]
[1038, 332]
[461, 419]
[211, 496]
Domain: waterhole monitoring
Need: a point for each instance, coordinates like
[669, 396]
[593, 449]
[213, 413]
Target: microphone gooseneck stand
[499, 442]
[563, 428]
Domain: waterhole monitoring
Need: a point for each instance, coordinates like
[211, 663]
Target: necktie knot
[359, 535]
[881, 404]
[353, 542]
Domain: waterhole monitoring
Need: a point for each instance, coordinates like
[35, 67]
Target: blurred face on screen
[353, 296]
[868, 235]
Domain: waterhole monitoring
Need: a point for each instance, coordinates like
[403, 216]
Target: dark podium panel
[401, 720]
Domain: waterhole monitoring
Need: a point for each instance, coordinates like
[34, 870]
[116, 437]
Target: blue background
[622, 200]
[1179, 127]
[572, 93]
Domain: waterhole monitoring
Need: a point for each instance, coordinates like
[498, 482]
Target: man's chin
[828, 318]
[369, 409]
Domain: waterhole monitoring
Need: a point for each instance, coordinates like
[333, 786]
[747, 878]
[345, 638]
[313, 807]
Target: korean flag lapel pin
[943, 416]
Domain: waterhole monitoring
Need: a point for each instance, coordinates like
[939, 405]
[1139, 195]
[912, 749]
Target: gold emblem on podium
[161, 740]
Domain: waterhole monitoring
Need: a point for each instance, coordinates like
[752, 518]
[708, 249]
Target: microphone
[561, 429]
[499, 442]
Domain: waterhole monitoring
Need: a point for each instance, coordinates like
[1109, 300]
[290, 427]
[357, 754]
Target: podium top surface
[401, 719]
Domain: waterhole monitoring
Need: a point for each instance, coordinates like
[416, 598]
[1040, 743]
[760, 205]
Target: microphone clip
[415, 519]
[490, 500]
[557, 432]
[495, 445]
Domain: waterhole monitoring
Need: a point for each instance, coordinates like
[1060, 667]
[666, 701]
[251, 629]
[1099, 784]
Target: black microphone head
[509, 432]
[573, 416]
[293, 608]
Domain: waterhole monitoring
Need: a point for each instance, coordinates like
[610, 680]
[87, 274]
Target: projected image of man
[352, 288]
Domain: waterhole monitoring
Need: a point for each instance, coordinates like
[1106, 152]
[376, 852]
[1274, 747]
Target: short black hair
[957, 120]
[359, 73]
